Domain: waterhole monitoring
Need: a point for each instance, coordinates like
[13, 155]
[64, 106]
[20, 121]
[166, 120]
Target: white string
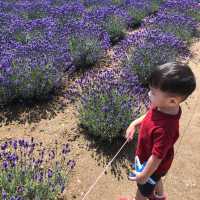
[102, 173]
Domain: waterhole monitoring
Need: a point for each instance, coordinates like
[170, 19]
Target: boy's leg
[159, 189]
[158, 193]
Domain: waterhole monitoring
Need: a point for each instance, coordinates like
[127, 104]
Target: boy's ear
[174, 101]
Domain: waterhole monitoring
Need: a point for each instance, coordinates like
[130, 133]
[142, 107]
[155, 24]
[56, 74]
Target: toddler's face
[159, 98]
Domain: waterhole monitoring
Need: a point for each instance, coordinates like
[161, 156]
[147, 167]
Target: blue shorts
[147, 189]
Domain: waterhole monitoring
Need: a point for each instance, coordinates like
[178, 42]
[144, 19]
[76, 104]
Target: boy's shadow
[103, 152]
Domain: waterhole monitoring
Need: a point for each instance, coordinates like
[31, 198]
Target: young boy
[170, 84]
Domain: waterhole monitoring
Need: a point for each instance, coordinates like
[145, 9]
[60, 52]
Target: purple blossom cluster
[29, 10]
[88, 43]
[146, 36]
[110, 99]
[183, 7]
[140, 9]
[97, 3]
[31, 71]
[182, 26]
[68, 13]
[113, 19]
[24, 32]
[29, 170]
[153, 48]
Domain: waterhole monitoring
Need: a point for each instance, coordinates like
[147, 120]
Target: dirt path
[55, 121]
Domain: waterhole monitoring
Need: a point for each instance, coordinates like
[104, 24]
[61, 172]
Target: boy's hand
[130, 132]
[140, 178]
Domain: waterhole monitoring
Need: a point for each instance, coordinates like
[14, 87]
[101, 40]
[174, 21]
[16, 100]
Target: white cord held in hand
[102, 173]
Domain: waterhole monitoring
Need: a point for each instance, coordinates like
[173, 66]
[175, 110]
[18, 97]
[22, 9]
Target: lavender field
[98, 55]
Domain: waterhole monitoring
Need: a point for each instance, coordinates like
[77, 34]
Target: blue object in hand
[138, 169]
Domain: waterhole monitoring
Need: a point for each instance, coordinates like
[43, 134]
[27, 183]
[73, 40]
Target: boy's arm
[131, 129]
[162, 141]
[151, 166]
[138, 121]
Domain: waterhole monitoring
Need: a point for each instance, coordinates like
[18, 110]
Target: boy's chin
[153, 104]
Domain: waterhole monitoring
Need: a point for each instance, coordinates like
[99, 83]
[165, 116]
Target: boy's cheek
[151, 98]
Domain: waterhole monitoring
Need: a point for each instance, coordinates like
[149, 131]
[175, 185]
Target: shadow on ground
[31, 111]
[103, 152]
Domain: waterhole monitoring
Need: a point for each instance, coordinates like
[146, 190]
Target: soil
[57, 120]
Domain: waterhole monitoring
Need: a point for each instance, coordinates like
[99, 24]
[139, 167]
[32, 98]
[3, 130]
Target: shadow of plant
[32, 111]
[104, 151]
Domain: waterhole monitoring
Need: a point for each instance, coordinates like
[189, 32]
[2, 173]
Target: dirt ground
[58, 120]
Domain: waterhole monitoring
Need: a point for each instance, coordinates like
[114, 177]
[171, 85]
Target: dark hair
[175, 78]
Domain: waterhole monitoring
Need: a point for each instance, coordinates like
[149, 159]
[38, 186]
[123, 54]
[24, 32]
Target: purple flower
[4, 146]
[14, 144]
[4, 195]
[182, 7]
[65, 149]
[5, 164]
[50, 173]
[181, 26]
[71, 164]
[51, 154]
[20, 189]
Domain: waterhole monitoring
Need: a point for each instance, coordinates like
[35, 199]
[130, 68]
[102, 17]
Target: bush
[189, 8]
[116, 28]
[110, 100]
[67, 13]
[138, 10]
[155, 5]
[111, 18]
[31, 10]
[154, 48]
[181, 26]
[30, 71]
[31, 171]
[87, 43]
[5, 21]
[24, 32]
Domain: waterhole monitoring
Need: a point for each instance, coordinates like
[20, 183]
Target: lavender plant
[24, 32]
[30, 10]
[31, 71]
[109, 100]
[5, 7]
[96, 3]
[138, 10]
[153, 48]
[87, 43]
[31, 171]
[68, 13]
[111, 18]
[181, 26]
[189, 8]
[5, 21]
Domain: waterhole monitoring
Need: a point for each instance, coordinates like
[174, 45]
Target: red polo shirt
[157, 135]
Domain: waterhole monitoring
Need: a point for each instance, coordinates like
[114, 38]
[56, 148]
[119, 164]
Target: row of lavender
[42, 40]
[110, 99]
[30, 170]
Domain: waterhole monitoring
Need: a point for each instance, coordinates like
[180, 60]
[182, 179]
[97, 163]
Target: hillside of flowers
[43, 42]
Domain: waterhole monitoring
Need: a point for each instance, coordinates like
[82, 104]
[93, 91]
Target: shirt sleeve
[161, 143]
